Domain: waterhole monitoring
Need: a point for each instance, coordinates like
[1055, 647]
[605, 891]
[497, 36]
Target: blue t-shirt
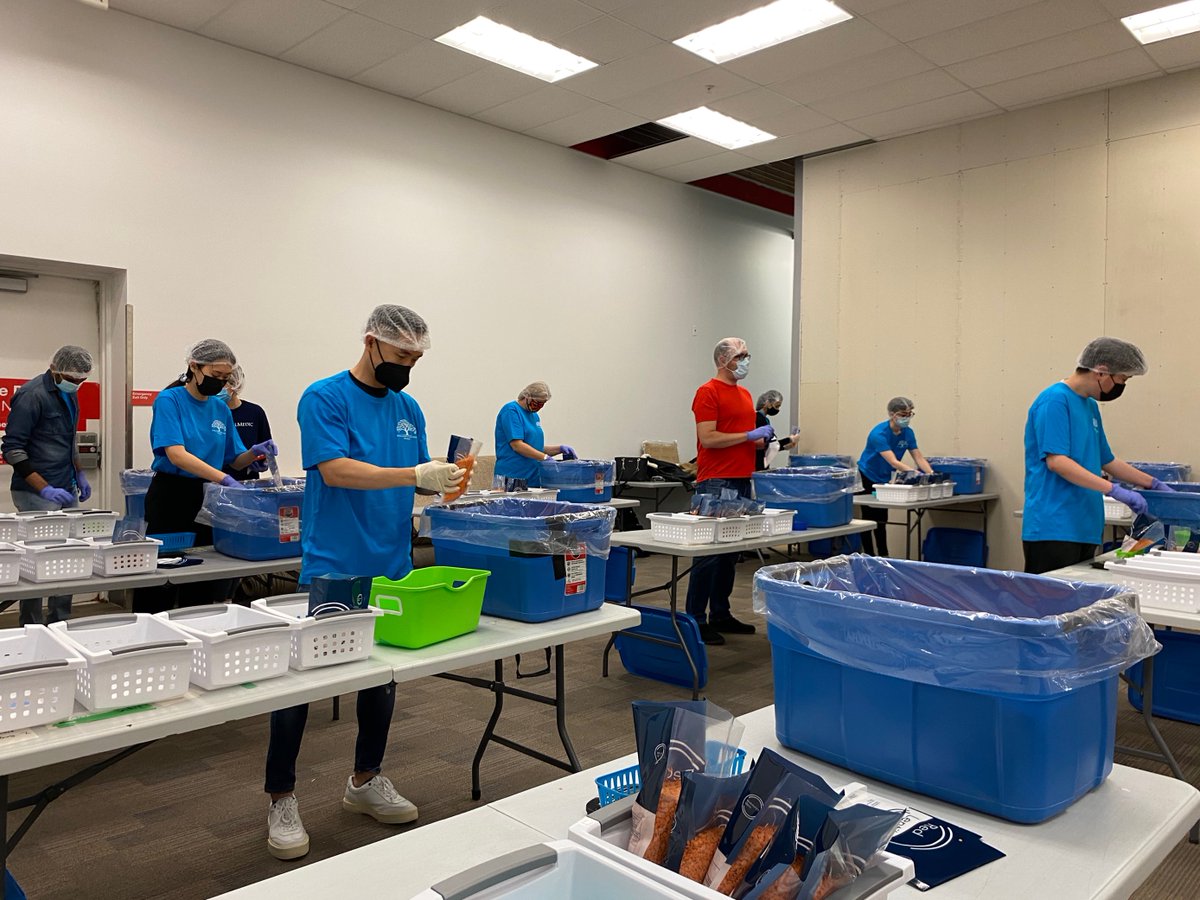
[203, 427]
[1063, 423]
[880, 439]
[515, 423]
[348, 531]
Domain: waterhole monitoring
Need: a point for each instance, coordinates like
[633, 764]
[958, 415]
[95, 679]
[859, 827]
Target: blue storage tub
[1178, 507]
[134, 484]
[255, 521]
[992, 690]
[1176, 677]
[820, 459]
[822, 496]
[850, 543]
[1165, 471]
[968, 474]
[548, 559]
[955, 546]
[661, 662]
[580, 480]
[617, 575]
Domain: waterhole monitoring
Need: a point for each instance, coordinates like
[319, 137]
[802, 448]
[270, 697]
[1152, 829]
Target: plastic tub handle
[101, 621]
[261, 626]
[615, 813]
[149, 645]
[29, 667]
[334, 613]
[496, 871]
[195, 612]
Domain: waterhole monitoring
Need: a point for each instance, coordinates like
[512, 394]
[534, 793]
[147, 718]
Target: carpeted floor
[186, 817]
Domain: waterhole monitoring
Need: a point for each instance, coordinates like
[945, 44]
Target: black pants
[877, 540]
[1046, 556]
[712, 577]
[172, 502]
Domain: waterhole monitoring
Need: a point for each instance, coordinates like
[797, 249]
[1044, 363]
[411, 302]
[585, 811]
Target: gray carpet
[186, 817]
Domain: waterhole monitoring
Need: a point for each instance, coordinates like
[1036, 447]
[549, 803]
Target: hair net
[727, 349]
[899, 404]
[398, 326]
[772, 397]
[72, 360]
[1113, 356]
[537, 390]
[237, 380]
[209, 351]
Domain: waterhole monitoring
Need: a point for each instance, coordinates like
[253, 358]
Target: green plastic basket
[428, 605]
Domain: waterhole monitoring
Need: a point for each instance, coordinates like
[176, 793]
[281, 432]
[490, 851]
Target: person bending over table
[520, 441]
[887, 443]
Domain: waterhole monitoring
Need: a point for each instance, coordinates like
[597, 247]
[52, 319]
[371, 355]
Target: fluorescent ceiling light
[1165, 22]
[716, 128]
[764, 27]
[500, 44]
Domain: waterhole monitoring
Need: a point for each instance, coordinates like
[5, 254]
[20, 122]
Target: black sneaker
[731, 626]
[710, 635]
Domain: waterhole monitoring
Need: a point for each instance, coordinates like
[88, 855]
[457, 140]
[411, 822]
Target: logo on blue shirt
[406, 430]
[218, 426]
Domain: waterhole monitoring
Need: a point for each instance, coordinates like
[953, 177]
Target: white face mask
[742, 369]
[903, 421]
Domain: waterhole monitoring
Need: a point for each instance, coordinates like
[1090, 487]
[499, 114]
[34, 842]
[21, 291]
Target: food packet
[780, 871]
[1142, 540]
[705, 807]
[673, 738]
[848, 840]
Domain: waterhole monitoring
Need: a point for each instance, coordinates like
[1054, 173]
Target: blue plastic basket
[616, 581]
[968, 475]
[1176, 677]
[259, 523]
[1165, 471]
[663, 662]
[175, 541]
[818, 494]
[628, 781]
[955, 546]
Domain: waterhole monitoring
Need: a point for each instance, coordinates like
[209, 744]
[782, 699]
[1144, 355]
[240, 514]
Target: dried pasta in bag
[705, 807]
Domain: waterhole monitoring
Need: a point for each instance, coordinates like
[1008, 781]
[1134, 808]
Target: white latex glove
[439, 477]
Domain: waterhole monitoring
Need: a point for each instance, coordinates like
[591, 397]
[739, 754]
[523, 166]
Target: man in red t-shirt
[726, 439]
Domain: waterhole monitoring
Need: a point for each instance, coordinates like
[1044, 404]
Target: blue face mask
[68, 387]
[903, 421]
[223, 394]
[742, 369]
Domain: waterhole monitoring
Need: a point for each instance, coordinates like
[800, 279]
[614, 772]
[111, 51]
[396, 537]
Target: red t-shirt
[730, 406]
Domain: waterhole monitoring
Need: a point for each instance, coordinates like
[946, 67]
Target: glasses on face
[741, 356]
[74, 379]
[224, 379]
[906, 414]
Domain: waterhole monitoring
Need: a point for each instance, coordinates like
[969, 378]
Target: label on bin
[576, 571]
[599, 482]
[289, 524]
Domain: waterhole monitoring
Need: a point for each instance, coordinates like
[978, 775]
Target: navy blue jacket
[41, 434]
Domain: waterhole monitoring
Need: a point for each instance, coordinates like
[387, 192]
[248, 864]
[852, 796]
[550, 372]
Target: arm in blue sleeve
[324, 431]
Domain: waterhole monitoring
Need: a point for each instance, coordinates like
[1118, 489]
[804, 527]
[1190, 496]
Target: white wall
[272, 207]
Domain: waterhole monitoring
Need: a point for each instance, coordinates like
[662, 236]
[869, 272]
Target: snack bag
[705, 807]
[1142, 540]
[848, 840]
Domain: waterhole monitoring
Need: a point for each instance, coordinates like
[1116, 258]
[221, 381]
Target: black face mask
[1117, 390]
[771, 412]
[392, 376]
[209, 386]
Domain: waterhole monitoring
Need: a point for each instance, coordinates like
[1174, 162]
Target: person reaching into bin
[726, 438]
[1065, 452]
[769, 404]
[520, 441]
[364, 448]
[39, 444]
[887, 443]
[251, 423]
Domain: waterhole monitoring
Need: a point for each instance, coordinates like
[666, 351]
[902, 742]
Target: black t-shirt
[250, 419]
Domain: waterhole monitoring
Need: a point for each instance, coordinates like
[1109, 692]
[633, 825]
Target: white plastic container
[55, 559]
[901, 493]
[237, 644]
[10, 563]
[37, 526]
[730, 530]
[682, 528]
[128, 558]
[1161, 580]
[9, 528]
[130, 658]
[37, 678]
[778, 521]
[89, 523]
[326, 639]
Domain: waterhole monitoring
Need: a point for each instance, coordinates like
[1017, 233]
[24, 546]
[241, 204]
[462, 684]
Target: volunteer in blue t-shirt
[364, 449]
[520, 441]
[884, 454]
[1065, 452]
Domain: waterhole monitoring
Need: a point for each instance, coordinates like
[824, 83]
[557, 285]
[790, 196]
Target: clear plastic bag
[136, 481]
[523, 526]
[252, 510]
[819, 484]
[571, 474]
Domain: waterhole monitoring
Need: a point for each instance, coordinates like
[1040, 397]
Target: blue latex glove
[266, 448]
[1157, 485]
[762, 433]
[85, 489]
[230, 481]
[568, 452]
[57, 495]
[259, 465]
[1132, 499]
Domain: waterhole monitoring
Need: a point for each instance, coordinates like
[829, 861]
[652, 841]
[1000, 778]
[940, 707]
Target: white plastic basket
[43, 525]
[130, 658]
[1159, 585]
[129, 558]
[755, 525]
[9, 529]
[682, 528]
[89, 523]
[730, 530]
[10, 563]
[37, 677]
[901, 493]
[941, 491]
[326, 639]
[1115, 509]
[778, 521]
[55, 559]
[237, 644]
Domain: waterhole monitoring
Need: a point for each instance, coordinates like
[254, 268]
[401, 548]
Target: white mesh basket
[326, 639]
[88, 523]
[1159, 584]
[901, 493]
[778, 521]
[682, 528]
[130, 658]
[10, 563]
[729, 530]
[37, 677]
[128, 558]
[9, 529]
[237, 644]
[43, 525]
[51, 559]
[941, 491]
[756, 525]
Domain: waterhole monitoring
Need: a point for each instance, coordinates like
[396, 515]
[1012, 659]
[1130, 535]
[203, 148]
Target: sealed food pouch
[848, 840]
[706, 804]
[779, 872]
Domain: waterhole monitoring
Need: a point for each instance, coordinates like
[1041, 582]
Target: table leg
[920, 517]
[337, 708]
[4, 842]
[687, 654]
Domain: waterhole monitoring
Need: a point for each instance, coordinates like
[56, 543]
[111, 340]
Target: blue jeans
[59, 606]
[711, 581]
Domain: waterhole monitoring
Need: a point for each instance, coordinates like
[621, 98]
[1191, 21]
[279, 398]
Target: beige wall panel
[1148, 107]
[927, 154]
[1036, 131]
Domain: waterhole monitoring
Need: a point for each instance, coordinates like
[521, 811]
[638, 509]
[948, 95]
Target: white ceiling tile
[545, 19]
[605, 39]
[1050, 53]
[698, 89]
[1093, 74]
[819, 50]
[548, 104]
[594, 122]
[271, 26]
[644, 69]
[671, 19]
[855, 74]
[431, 18]
[1122, 8]
[836, 135]
[481, 90]
[610, 5]
[350, 45]
[420, 69]
[866, 7]
[672, 154]
[921, 18]
[921, 116]
[188, 14]
[1176, 53]
[727, 161]
[772, 112]
[348, 4]
[893, 95]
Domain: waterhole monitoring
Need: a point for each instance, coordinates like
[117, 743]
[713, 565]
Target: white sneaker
[286, 837]
[379, 799]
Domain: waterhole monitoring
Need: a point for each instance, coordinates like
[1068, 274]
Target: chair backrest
[664, 450]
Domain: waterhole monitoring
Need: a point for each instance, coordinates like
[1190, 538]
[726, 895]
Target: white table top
[643, 540]
[622, 503]
[650, 485]
[1162, 617]
[1109, 519]
[956, 500]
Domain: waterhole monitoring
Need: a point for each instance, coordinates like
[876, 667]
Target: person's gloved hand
[439, 477]
[259, 465]
[1156, 485]
[266, 448]
[1132, 499]
[85, 489]
[568, 452]
[230, 481]
[762, 433]
[57, 495]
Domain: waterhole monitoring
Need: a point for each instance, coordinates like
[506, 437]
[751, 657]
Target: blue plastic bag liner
[821, 459]
[1165, 471]
[810, 483]
[577, 473]
[970, 629]
[254, 521]
[525, 526]
[936, 461]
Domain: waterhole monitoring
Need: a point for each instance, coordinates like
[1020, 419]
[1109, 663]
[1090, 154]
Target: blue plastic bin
[822, 496]
[256, 521]
[1176, 677]
[580, 480]
[955, 546]
[661, 662]
[850, 543]
[1165, 471]
[627, 782]
[616, 574]
[968, 474]
[12, 890]
[992, 690]
[820, 459]
[134, 484]
[1178, 507]
[532, 548]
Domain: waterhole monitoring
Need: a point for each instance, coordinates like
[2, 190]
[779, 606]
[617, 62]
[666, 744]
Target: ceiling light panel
[1165, 22]
[508, 47]
[783, 20]
[716, 128]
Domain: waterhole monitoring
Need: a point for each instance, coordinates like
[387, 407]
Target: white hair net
[73, 361]
[536, 390]
[774, 398]
[398, 326]
[727, 349]
[237, 380]
[900, 404]
[1116, 357]
[209, 351]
